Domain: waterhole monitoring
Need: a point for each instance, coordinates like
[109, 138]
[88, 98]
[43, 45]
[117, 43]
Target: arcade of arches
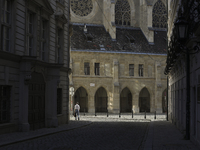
[101, 102]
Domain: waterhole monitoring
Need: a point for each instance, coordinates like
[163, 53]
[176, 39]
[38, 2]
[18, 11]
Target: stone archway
[125, 100]
[144, 100]
[101, 100]
[164, 101]
[36, 101]
[81, 96]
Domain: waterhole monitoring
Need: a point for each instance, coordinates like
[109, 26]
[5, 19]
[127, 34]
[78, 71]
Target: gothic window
[159, 15]
[122, 13]
[81, 7]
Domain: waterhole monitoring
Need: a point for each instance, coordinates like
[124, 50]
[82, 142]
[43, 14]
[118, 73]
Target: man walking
[76, 110]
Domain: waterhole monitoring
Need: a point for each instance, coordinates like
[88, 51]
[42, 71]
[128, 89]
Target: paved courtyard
[100, 133]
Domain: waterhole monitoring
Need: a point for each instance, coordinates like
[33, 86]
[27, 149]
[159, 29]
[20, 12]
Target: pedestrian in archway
[76, 110]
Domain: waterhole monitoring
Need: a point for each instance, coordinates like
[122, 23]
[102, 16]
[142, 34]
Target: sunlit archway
[101, 100]
[125, 100]
[81, 97]
[144, 100]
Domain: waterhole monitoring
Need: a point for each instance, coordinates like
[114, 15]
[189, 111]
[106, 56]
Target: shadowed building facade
[34, 64]
[118, 52]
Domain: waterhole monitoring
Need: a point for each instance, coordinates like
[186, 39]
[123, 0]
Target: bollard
[84, 111]
[95, 113]
[132, 113]
[155, 115]
[107, 113]
[145, 114]
[119, 114]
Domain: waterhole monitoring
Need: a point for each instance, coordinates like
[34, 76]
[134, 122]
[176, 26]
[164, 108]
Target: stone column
[91, 103]
[135, 102]
[158, 86]
[25, 76]
[116, 96]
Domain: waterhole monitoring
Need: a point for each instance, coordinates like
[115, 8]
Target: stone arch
[144, 100]
[101, 100]
[164, 101]
[159, 15]
[122, 13]
[125, 100]
[81, 96]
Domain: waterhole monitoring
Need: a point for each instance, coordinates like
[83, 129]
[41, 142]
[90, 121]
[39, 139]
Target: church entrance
[125, 100]
[101, 100]
[36, 101]
[144, 100]
[81, 97]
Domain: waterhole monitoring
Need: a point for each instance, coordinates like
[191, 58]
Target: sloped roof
[127, 40]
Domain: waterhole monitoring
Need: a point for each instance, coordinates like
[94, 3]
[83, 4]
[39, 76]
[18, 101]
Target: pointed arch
[101, 100]
[125, 100]
[159, 15]
[122, 13]
[81, 96]
[144, 100]
[164, 101]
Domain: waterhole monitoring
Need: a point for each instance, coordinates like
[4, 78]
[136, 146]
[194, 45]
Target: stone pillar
[91, 104]
[116, 96]
[158, 86]
[51, 98]
[135, 102]
[25, 76]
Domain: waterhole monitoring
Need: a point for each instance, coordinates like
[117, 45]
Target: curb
[42, 135]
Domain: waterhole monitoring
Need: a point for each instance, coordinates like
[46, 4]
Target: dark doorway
[81, 97]
[144, 100]
[101, 100]
[125, 100]
[36, 102]
[164, 101]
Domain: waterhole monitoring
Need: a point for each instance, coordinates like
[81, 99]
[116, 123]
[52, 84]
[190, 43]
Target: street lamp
[181, 28]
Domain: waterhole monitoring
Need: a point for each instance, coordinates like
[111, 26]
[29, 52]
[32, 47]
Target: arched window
[159, 15]
[122, 13]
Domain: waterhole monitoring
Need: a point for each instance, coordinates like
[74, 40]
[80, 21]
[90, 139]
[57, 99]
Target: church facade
[118, 55]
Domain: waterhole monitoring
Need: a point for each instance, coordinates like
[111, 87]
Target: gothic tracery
[159, 15]
[81, 7]
[122, 13]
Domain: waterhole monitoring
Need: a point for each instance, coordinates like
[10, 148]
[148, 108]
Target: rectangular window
[4, 104]
[59, 100]
[87, 68]
[59, 45]
[131, 69]
[5, 25]
[30, 33]
[140, 70]
[43, 39]
[97, 69]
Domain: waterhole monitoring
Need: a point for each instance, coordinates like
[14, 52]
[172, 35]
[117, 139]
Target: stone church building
[34, 64]
[118, 55]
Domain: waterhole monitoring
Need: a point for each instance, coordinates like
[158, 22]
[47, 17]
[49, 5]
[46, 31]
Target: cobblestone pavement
[101, 133]
[97, 136]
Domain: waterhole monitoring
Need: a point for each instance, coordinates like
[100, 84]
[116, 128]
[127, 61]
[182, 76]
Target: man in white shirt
[76, 110]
